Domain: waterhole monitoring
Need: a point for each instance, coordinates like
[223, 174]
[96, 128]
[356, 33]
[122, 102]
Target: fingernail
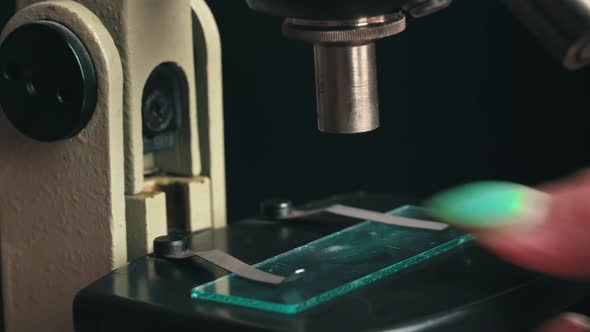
[578, 320]
[569, 322]
[484, 205]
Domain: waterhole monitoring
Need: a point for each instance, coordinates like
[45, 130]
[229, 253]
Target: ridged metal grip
[347, 31]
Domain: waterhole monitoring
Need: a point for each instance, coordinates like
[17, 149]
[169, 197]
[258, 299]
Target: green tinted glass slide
[335, 265]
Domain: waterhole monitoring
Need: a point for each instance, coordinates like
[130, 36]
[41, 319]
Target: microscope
[111, 136]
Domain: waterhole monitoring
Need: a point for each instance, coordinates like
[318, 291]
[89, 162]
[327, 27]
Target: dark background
[466, 94]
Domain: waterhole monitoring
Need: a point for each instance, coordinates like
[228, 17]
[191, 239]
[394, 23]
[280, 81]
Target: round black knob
[170, 245]
[276, 209]
[48, 85]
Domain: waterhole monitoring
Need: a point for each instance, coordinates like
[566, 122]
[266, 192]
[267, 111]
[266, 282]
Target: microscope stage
[462, 289]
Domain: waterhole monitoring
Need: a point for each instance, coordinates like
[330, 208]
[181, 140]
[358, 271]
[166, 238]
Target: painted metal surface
[62, 212]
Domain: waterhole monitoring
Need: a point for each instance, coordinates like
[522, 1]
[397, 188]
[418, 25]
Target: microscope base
[466, 290]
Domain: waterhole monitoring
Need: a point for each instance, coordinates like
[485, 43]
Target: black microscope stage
[467, 289]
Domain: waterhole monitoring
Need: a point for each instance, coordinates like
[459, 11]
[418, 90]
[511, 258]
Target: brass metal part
[188, 204]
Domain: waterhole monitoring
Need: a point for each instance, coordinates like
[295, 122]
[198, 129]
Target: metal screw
[158, 112]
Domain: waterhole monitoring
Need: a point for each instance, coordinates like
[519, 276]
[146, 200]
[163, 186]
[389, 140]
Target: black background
[466, 94]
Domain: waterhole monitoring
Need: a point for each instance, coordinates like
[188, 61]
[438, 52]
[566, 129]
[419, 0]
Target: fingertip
[569, 322]
[537, 231]
[490, 205]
